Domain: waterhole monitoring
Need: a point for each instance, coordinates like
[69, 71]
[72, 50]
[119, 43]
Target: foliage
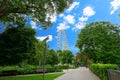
[100, 42]
[82, 60]
[63, 66]
[52, 57]
[66, 57]
[34, 77]
[59, 52]
[21, 47]
[39, 50]
[7, 68]
[101, 69]
[29, 69]
[16, 45]
[16, 10]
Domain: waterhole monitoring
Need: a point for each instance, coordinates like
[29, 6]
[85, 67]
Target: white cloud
[61, 15]
[62, 26]
[88, 11]
[115, 4]
[82, 19]
[79, 25]
[72, 6]
[43, 37]
[51, 18]
[33, 24]
[69, 19]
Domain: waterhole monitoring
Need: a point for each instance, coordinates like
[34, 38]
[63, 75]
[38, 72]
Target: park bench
[41, 70]
[114, 74]
[9, 72]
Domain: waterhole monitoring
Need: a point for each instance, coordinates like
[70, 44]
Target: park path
[81, 73]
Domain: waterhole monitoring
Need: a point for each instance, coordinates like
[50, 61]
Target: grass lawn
[33, 77]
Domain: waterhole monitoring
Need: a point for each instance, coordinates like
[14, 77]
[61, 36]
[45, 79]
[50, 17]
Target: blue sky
[75, 17]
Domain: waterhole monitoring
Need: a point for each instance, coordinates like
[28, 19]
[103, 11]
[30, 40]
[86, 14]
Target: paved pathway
[81, 73]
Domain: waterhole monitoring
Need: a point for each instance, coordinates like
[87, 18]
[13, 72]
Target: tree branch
[3, 5]
[15, 10]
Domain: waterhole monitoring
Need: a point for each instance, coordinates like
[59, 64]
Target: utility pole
[44, 58]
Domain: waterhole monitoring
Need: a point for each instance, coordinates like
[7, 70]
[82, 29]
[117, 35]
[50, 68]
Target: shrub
[8, 68]
[101, 69]
[52, 68]
[63, 66]
[0, 70]
[27, 69]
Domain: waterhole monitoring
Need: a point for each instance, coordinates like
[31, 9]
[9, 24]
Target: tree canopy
[16, 45]
[66, 57]
[52, 58]
[100, 41]
[16, 10]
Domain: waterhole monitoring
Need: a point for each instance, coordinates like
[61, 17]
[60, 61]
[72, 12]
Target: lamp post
[44, 58]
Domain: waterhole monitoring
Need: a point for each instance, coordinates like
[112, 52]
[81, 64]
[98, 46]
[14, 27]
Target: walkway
[81, 73]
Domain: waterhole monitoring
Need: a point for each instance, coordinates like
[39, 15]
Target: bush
[63, 66]
[52, 68]
[101, 69]
[9, 68]
[29, 69]
[0, 70]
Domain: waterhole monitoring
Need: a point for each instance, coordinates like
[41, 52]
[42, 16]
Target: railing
[114, 75]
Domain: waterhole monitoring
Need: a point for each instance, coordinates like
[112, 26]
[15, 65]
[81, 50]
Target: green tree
[100, 41]
[82, 59]
[66, 57]
[39, 50]
[16, 10]
[16, 45]
[52, 57]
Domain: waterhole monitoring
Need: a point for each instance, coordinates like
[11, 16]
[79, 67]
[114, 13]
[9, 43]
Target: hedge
[28, 69]
[63, 66]
[101, 69]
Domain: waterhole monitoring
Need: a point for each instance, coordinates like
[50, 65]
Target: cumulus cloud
[80, 25]
[69, 19]
[43, 37]
[33, 24]
[62, 26]
[115, 5]
[61, 15]
[72, 6]
[83, 19]
[87, 13]
[52, 18]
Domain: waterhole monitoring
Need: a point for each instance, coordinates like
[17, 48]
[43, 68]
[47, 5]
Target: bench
[9, 72]
[114, 75]
[41, 70]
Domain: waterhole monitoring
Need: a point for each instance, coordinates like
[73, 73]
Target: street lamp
[44, 58]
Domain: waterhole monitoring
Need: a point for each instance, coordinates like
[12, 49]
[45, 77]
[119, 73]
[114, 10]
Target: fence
[114, 75]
